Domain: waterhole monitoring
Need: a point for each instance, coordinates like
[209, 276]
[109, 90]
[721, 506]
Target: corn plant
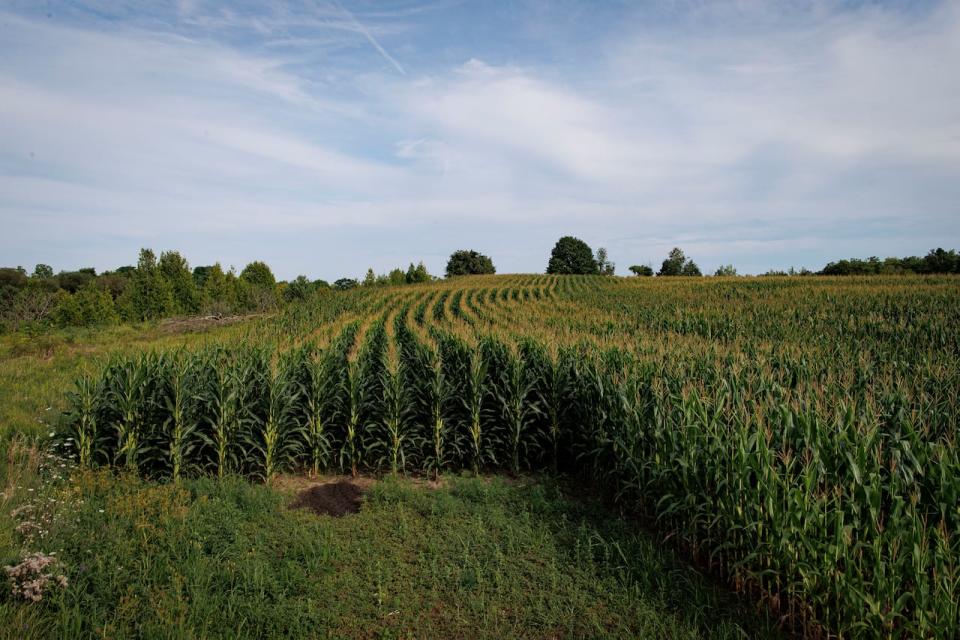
[519, 410]
[129, 401]
[351, 451]
[475, 399]
[396, 410]
[321, 411]
[224, 419]
[274, 439]
[180, 426]
[438, 398]
[82, 420]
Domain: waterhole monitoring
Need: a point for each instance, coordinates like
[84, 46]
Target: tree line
[154, 288]
[167, 286]
[571, 255]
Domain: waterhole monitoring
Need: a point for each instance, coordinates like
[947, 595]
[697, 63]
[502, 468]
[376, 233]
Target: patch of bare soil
[333, 498]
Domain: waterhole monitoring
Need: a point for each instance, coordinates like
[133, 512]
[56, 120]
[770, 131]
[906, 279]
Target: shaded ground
[333, 499]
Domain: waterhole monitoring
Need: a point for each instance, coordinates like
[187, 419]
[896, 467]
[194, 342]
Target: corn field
[798, 436]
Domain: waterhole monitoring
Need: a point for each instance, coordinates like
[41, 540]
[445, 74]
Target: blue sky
[329, 137]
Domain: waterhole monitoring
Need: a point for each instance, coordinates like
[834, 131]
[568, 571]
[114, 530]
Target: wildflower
[30, 578]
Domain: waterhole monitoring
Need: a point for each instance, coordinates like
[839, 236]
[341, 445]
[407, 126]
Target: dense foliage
[936, 261]
[572, 256]
[797, 436]
[155, 288]
[466, 262]
[677, 264]
[641, 270]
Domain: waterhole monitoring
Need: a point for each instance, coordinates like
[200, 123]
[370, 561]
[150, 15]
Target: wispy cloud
[276, 132]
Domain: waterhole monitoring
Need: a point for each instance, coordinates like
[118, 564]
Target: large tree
[468, 262]
[572, 255]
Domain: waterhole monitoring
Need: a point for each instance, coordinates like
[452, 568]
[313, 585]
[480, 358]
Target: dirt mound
[333, 499]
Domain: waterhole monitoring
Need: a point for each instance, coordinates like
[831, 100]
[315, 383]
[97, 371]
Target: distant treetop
[936, 261]
[468, 262]
[677, 264]
[572, 256]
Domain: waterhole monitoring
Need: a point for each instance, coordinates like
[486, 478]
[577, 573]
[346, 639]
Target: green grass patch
[478, 557]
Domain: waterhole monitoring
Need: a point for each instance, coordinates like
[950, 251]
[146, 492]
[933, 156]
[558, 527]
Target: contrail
[369, 36]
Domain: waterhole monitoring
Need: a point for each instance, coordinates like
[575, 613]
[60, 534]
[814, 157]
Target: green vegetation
[936, 261]
[677, 264]
[466, 262]
[472, 558]
[572, 256]
[151, 290]
[796, 437]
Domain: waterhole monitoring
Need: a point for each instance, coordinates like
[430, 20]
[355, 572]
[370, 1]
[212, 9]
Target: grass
[477, 557]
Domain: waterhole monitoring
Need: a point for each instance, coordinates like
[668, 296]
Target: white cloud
[667, 133]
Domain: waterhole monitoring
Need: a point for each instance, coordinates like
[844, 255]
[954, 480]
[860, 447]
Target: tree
[677, 264]
[72, 281]
[673, 265]
[43, 272]
[940, 261]
[176, 271]
[725, 270]
[91, 305]
[149, 295]
[604, 266]
[572, 256]
[641, 270]
[216, 291]
[200, 276]
[345, 283]
[14, 278]
[396, 277]
[258, 274]
[370, 279]
[417, 274]
[690, 268]
[257, 288]
[113, 282]
[298, 289]
[468, 262]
